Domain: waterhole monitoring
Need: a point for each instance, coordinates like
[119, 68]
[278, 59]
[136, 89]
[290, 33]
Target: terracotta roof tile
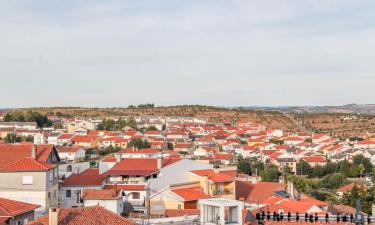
[87, 178]
[94, 215]
[27, 164]
[257, 193]
[13, 152]
[212, 175]
[191, 193]
[11, 208]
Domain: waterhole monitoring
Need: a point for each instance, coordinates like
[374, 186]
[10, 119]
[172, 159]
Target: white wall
[115, 206]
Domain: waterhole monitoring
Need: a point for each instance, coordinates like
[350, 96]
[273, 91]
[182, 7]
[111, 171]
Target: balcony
[225, 191]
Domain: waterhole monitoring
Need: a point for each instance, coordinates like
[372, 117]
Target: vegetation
[117, 125]
[28, 116]
[13, 138]
[138, 143]
[359, 167]
[270, 174]
[249, 166]
[317, 122]
[152, 127]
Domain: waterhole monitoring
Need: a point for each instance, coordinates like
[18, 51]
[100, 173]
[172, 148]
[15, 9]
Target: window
[136, 195]
[69, 168]
[179, 206]
[51, 175]
[26, 180]
[158, 207]
[49, 195]
[68, 193]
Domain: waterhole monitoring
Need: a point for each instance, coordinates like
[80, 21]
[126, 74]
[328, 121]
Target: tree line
[29, 116]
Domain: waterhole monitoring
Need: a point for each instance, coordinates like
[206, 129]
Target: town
[152, 169]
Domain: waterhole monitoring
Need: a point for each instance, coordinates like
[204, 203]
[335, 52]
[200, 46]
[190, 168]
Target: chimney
[290, 189]
[254, 179]
[206, 183]
[53, 216]
[33, 152]
[159, 162]
[118, 157]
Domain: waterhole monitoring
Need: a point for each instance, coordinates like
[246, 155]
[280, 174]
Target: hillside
[366, 109]
[336, 124]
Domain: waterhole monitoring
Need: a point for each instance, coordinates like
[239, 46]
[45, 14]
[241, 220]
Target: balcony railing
[226, 191]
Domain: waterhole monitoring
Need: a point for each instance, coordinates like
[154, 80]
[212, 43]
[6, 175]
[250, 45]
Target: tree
[138, 143]
[363, 164]
[170, 146]
[29, 116]
[270, 174]
[132, 122]
[244, 166]
[152, 127]
[303, 168]
[12, 138]
[333, 181]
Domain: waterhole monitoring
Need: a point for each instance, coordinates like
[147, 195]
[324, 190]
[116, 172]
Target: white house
[70, 192]
[71, 154]
[53, 138]
[68, 169]
[110, 199]
[204, 151]
[176, 173]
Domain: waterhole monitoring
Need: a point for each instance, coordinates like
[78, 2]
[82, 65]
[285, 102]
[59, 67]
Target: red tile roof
[107, 194]
[84, 139]
[212, 175]
[257, 193]
[166, 161]
[94, 215]
[135, 167]
[11, 208]
[223, 156]
[313, 201]
[87, 178]
[125, 187]
[318, 159]
[346, 188]
[231, 173]
[12, 152]
[182, 145]
[191, 193]
[66, 136]
[27, 164]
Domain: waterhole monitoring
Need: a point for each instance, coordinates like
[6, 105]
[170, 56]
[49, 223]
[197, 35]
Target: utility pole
[148, 205]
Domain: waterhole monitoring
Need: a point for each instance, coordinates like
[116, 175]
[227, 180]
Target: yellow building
[214, 183]
[177, 197]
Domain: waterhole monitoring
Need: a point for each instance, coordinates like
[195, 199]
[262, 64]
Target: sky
[213, 52]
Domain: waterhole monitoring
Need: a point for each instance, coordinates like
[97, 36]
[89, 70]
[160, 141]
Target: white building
[213, 211]
[109, 199]
[71, 154]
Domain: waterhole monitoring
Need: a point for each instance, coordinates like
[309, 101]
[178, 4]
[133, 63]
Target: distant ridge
[368, 109]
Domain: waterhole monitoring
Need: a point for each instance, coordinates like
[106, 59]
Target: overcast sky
[219, 52]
